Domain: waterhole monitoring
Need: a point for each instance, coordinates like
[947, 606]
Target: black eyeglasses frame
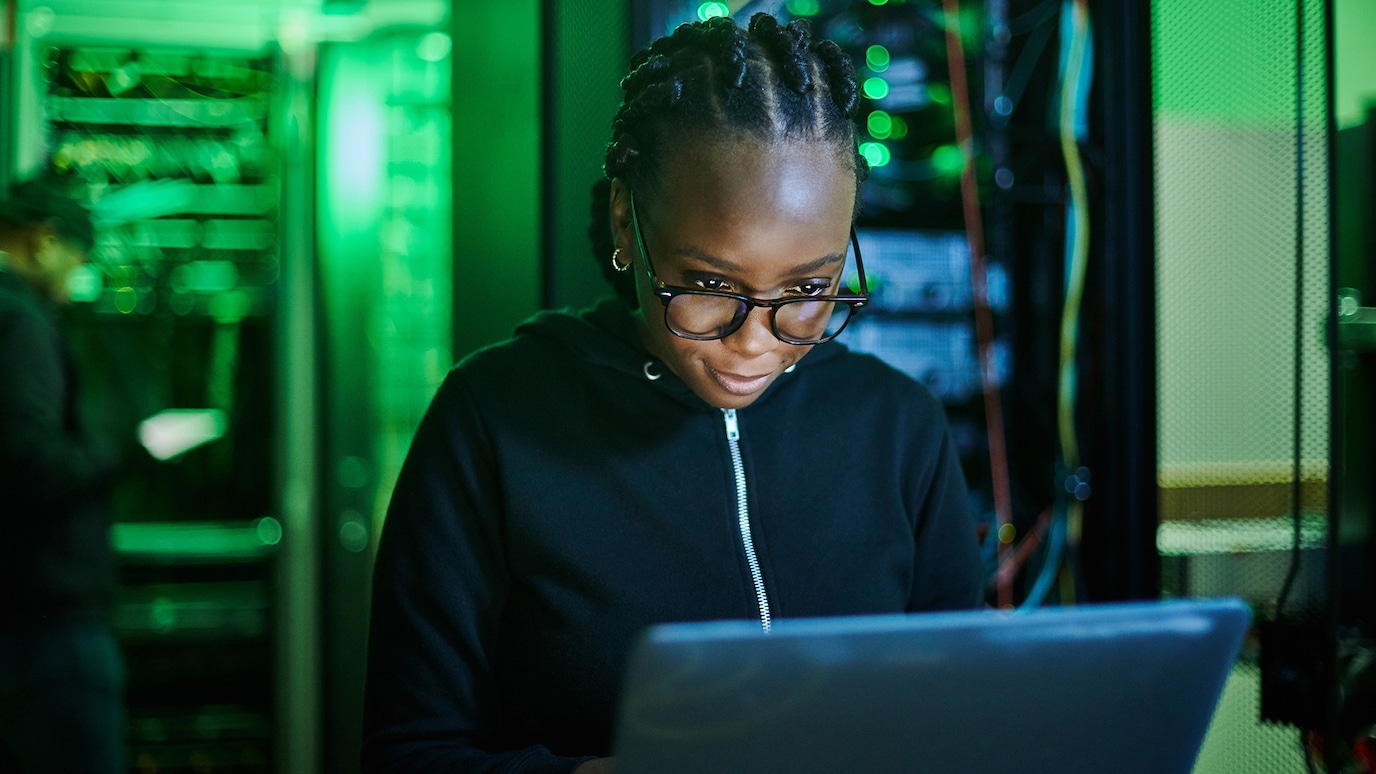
[666, 294]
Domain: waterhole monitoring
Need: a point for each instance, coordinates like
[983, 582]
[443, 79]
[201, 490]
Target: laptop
[1127, 687]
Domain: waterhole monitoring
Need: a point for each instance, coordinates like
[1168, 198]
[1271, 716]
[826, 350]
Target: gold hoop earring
[619, 266]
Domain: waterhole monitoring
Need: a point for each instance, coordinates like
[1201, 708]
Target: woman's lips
[737, 384]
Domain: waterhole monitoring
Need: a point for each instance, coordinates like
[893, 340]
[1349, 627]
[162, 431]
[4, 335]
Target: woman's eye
[713, 283]
[814, 288]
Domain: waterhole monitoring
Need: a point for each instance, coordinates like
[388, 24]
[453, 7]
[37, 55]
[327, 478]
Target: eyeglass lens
[709, 317]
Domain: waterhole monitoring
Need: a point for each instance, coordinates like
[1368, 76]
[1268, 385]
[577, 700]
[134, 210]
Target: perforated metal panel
[1242, 266]
[587, 48]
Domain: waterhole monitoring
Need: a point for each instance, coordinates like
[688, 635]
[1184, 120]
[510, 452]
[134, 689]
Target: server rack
[176, 313]
[176, 122]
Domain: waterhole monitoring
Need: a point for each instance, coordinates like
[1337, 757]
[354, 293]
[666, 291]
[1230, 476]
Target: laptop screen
[1122, 687]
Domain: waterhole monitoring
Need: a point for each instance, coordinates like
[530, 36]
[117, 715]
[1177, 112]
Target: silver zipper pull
[733, 431]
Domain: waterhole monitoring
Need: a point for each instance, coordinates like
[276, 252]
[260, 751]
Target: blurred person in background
[61, 676]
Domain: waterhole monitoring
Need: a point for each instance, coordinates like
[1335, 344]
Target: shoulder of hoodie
[540, 350]
[863, 377]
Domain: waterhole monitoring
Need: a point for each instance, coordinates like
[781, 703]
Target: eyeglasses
[708, 315]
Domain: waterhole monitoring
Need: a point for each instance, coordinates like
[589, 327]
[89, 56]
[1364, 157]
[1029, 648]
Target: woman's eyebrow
[689, 251]
[826, 260]
[724, 265]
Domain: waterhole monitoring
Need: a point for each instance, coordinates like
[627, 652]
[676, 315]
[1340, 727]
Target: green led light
[879, 124]
[84, 284]
[947, 160]
[268, 530]
[709, 10]
[878, 2]
[434, 46]
[899, 130]
[126, 299]
[875, 153]
[876, 88]
[206, 276]
[230, 307]
[939, 93]
[877, 57]
[803, 7]
[220, 540]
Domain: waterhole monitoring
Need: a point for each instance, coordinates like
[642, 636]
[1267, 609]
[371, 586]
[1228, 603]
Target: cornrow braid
[789, 46]
[769, 81]
[845, 87]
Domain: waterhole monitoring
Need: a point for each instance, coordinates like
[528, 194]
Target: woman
[696, 449]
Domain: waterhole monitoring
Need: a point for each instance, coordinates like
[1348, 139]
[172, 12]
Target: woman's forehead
[765, 211]
[799, 181]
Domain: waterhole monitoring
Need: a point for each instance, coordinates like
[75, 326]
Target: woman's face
[765, 222]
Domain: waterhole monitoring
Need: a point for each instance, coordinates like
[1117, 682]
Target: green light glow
[1354, 82]
[268, 530]
[709, 10]
[879, 2]
[875, 153]
[230, 307]
[803, 7]
[1227, 68]
[434, 47]
[163, 613]
[126, 298]
[879, 124]
[353, 150]
[876, 88]
[947, 160]
[205, 276]
[939, 93]
[877, 57]
[85, 283]
[219, 540]
[900, 128]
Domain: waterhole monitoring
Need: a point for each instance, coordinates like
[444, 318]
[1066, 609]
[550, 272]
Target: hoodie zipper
[733, 440]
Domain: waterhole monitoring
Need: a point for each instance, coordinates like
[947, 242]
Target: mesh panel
[590, 59]
[1226, 189]
[1227, 120]
[1236, 743]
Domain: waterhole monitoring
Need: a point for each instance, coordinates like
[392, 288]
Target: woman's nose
[755, 336]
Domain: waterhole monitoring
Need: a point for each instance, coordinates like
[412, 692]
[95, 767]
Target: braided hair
[770, 82]
[47, 199]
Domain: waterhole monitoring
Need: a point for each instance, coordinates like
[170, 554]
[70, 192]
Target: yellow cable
[1070, 319]
[1075, 280]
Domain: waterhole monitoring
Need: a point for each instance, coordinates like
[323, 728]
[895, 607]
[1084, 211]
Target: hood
[605, 335]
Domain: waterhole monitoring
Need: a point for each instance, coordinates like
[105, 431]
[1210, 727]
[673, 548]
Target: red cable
[1009, 569]
[984, 319]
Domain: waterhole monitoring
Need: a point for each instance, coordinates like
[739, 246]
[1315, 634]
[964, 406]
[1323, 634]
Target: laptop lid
[1123, 687]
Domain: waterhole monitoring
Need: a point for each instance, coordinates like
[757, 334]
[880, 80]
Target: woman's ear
[623, 233]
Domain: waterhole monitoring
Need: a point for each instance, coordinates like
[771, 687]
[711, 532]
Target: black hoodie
[56, 564]
[564, 491]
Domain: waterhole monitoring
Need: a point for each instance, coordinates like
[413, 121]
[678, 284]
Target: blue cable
[1055, 547]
